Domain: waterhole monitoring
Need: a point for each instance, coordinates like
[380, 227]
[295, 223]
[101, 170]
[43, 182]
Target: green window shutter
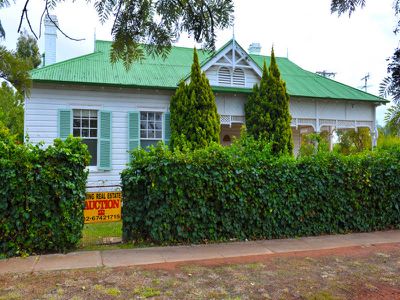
[104, 149]
[167, 128]
[64, 123]
[133, 131]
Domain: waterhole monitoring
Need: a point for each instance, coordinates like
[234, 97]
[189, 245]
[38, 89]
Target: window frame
[97, 138]
[244, 77]
[160, 121]
[230, 76]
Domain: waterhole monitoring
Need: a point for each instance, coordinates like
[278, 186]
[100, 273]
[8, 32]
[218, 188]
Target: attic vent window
[224, 76]
[228, 78]
[238, 77]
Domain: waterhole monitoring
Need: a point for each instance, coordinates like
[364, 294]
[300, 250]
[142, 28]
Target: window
[85, 125]
[150, 128]
[238, 77]
[224, 76]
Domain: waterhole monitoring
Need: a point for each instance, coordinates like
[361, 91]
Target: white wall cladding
[331, 109]
[359, 111]
[41, 112]
[302, 109]
[229, 104]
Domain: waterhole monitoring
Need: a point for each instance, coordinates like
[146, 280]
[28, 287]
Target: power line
[326, 74]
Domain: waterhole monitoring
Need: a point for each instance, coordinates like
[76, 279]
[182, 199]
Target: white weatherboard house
[115, 111]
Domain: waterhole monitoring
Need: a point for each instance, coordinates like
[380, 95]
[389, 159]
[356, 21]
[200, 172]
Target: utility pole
[326, 74]
[365, 79]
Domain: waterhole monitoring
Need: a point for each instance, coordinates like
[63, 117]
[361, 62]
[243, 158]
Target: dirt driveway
[350, 273]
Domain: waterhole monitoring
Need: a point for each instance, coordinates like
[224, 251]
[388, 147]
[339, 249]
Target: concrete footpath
[182, 254]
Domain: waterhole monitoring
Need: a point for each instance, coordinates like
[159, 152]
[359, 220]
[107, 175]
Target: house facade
[115, 111]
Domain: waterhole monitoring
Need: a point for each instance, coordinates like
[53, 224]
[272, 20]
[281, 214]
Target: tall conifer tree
[194, 118]
[267, 110]
[258, 108]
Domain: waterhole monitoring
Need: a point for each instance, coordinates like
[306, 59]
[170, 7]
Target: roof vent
[238, 77]
[224, 76]
[255, 48]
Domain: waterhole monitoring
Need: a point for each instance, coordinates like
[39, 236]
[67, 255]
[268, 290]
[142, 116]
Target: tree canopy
[27, 48]
[3, 3]
[194, 118]
[392, 119]
[12, 111]
[15, 70]
[391, 87]
[349, 6]
[152, 25]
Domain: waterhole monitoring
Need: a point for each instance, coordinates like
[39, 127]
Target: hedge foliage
[42, 196]
[244, 192]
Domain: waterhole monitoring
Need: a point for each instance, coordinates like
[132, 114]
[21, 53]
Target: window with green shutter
[64, 123]
[133, 130]
[151, 128]
[85, 126]
[104, 149]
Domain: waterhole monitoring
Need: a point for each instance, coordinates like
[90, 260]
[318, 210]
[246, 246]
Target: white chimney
[255, 48]
[50, 38]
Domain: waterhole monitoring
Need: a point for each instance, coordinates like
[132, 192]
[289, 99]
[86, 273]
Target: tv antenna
[326, 74]
[365, 79]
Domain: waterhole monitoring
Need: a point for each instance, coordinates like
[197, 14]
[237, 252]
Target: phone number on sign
[103, 218]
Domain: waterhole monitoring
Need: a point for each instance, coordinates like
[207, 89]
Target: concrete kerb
[179, 254]
[18, 264]
[73, 260]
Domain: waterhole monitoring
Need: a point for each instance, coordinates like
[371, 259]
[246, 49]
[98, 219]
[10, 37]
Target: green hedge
[42, 196]
[244, 193]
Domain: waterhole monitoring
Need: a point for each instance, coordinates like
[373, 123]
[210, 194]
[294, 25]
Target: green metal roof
[155, 72]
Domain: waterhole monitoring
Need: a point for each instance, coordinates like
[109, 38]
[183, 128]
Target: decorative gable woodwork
[232, 67]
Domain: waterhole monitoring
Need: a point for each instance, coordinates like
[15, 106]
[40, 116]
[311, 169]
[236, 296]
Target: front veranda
[231, 127]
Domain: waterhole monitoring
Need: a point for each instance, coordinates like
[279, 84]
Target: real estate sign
[102, 207]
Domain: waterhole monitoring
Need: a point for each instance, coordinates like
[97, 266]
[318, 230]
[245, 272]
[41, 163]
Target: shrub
[42, 195]
[388, 142]
[313, 143]
[352, 141]
[244, 192]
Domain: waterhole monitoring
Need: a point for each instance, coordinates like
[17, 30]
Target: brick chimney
[255, 48]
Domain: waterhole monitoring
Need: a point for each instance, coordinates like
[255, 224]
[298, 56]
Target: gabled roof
[228, 46]
[155, 72]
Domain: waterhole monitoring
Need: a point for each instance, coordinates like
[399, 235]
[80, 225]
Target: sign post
[102, 207]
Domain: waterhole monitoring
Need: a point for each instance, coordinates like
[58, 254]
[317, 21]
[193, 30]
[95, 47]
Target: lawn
[364, 273]
[106, 236]
[95, 235]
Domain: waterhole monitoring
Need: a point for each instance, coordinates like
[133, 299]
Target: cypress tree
[195, 121]
[267, 110]
[258, 108]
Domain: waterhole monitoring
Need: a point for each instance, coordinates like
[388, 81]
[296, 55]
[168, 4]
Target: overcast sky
[304, 30]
